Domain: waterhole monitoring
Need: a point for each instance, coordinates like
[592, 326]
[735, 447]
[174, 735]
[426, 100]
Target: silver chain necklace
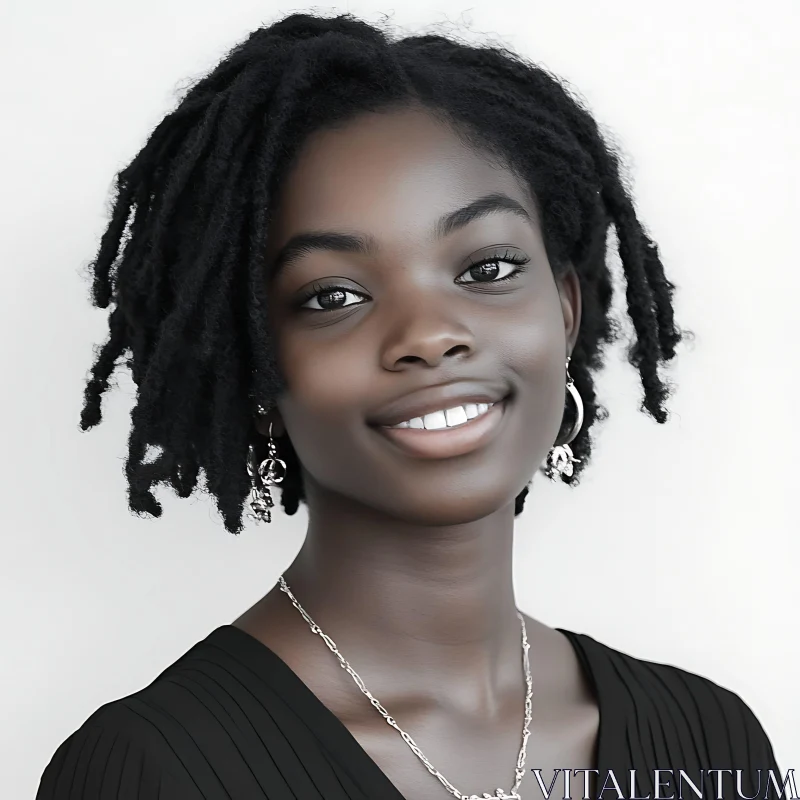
[513, 794]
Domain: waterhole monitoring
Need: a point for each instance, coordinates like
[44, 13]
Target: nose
[425, 333]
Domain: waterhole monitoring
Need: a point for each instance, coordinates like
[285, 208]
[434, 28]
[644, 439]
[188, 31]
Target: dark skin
[407, 562]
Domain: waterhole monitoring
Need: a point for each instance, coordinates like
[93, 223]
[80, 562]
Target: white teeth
[455, 416]
[435, 421]
[472, 410]
[448, 418]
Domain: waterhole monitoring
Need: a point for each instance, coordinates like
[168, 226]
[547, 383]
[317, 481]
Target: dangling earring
[270, 472]
[560, 458]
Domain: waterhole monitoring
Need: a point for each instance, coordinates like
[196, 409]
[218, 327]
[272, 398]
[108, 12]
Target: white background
[681, 536]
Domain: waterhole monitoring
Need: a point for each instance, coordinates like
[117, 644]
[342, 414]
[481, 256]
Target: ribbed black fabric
[230, 720]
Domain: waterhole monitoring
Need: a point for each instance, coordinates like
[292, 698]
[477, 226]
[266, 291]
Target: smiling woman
[372, 272]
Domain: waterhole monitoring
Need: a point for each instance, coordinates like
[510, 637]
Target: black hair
[182, 258]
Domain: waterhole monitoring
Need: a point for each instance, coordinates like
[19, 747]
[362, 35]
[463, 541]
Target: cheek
[533, 336]
[535, 348]
[325, 378]
[324, 398]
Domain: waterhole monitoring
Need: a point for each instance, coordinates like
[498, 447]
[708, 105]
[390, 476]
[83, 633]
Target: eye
[329, 298]
[495, 269]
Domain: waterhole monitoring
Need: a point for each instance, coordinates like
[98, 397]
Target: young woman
[372, 272]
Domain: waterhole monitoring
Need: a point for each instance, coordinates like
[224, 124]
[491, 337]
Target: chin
[440, 509]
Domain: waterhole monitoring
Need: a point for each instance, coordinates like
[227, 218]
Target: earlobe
[271, 417]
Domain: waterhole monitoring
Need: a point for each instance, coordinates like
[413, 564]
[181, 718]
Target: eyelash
[509, 258]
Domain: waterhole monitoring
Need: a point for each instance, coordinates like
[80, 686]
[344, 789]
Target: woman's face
[369, 338]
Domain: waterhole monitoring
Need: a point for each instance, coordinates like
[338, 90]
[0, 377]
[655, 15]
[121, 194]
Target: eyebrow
[311, 241]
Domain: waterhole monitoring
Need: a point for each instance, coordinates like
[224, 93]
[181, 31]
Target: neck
[431, 597]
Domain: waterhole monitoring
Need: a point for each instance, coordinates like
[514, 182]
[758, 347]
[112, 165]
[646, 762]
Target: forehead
[390, 171]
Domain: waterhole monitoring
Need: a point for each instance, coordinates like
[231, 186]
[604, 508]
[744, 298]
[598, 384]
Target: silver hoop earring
[271, 471]
[560, 458]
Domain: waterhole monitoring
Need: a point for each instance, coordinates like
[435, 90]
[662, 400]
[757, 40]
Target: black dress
[230, 720]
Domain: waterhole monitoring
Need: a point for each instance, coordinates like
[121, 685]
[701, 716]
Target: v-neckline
[345, 748]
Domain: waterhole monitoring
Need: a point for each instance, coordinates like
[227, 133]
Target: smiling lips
[448, 433]
[449, 418]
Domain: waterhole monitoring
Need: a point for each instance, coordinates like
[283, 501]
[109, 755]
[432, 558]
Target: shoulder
[138, 746]
[117, 752]
[195, 731]
[687, 707]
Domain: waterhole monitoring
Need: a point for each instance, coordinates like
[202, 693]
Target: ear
[569, 290]
[273, 417]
